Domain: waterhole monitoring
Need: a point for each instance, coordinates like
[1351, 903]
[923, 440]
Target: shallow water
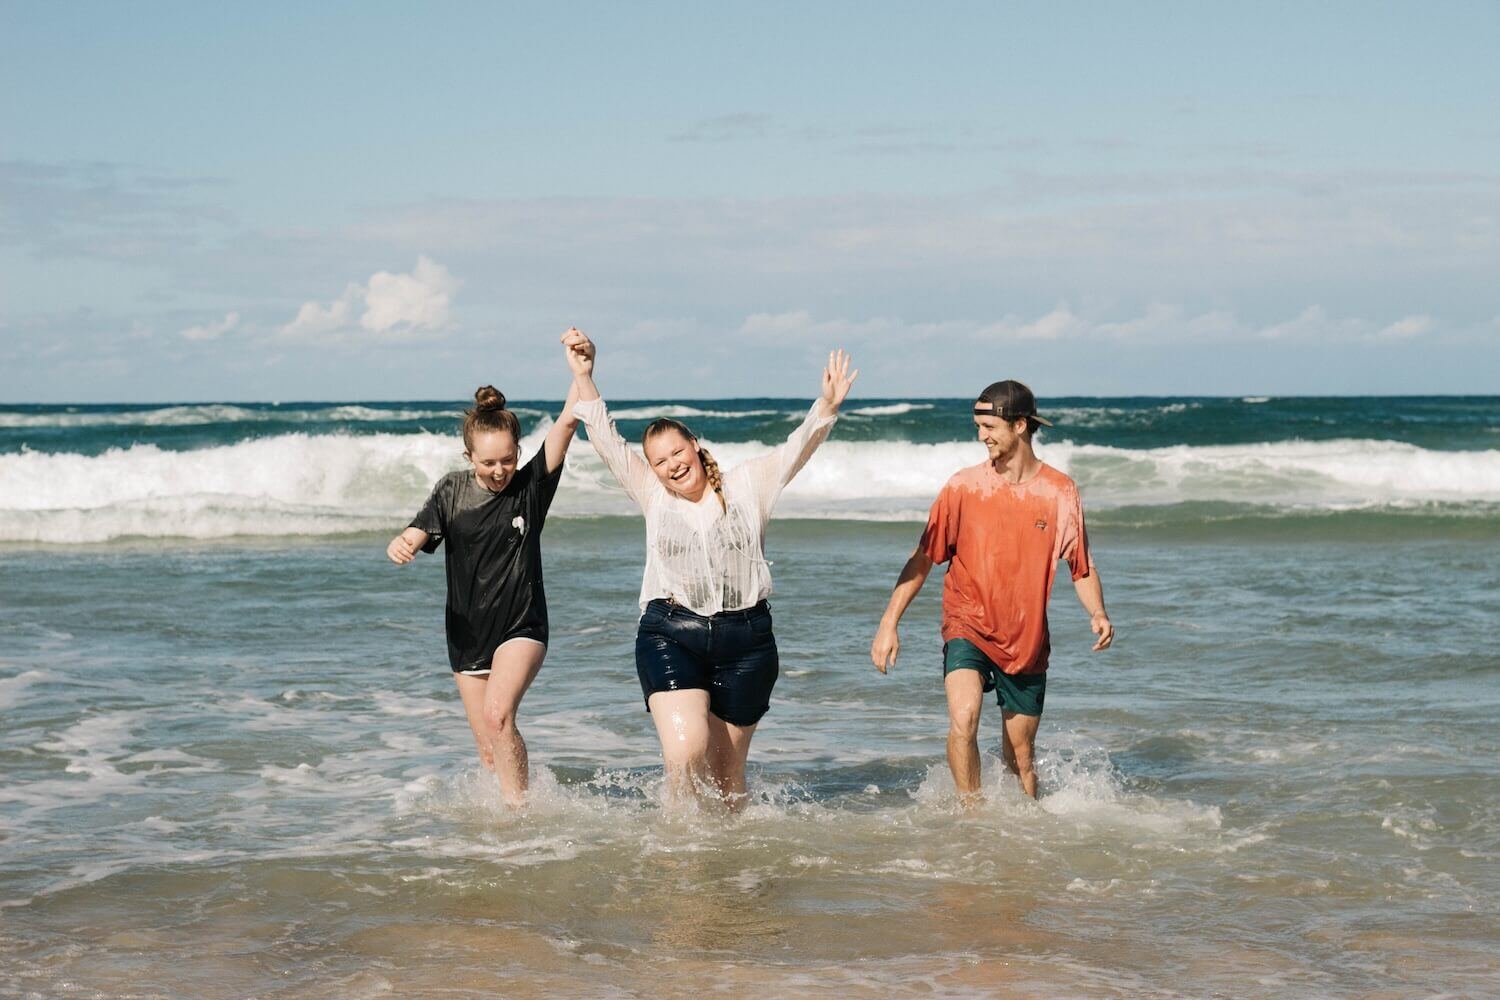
[239, 768]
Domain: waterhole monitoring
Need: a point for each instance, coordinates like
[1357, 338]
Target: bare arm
[563, 429]
[887, 641]
[772, 472]
[405, 546]
[1090, 591]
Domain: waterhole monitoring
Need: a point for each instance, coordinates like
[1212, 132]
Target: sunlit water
[233, 763]
[237, 770]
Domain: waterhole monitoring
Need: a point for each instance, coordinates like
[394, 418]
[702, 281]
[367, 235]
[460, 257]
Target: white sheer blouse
[707, 559]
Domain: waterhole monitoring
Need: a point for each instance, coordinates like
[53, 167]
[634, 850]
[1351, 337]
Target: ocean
[233, 763]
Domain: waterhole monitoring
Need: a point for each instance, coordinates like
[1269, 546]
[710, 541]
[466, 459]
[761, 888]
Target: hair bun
[487, 397]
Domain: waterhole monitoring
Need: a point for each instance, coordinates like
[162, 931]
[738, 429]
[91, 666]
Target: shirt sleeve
[769, 474]
[940, 537]
[433, 517]
[628, 468]
[543, 486]
[1073, 539]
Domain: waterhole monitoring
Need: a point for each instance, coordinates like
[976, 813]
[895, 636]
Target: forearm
[563, 429]
[1090, 590]
[908, 585]
[405, 546]
[623, 462]
[788, 459]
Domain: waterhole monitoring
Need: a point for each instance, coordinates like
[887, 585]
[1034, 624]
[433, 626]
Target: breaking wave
[320, 484]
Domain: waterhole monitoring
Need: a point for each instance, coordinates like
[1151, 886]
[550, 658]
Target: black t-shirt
[494, 557]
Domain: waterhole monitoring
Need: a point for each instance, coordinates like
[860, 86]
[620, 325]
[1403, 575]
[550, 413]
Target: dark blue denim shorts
[731, 655]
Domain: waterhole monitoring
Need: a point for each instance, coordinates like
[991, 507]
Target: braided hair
[710, 467]
[489, 414]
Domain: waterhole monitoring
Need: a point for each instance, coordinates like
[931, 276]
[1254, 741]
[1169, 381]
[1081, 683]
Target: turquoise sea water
[234, 764]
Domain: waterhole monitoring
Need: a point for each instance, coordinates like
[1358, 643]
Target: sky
[361, 201]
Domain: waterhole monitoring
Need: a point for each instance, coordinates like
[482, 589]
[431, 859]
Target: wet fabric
[1023, 694]
[493, 556]
[1002, 542]
[731, 655]
[708, 558]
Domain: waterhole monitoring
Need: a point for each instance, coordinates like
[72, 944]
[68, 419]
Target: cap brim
[1041, 420]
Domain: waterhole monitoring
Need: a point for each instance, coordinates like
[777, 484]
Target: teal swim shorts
[1019, 693]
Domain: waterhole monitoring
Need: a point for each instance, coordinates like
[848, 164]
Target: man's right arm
[887, 641]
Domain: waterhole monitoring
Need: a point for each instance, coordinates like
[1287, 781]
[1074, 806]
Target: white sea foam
[309, 484]
[890, 410]
[680, 412]
[1112, 416]
[197, 415]
[166, 416]
[11, 687]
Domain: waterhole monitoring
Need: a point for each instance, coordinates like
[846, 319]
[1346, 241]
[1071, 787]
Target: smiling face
[999, 436]
[494, 456]
[674, 458]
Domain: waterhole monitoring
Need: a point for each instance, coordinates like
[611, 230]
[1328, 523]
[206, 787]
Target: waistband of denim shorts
[671, 607]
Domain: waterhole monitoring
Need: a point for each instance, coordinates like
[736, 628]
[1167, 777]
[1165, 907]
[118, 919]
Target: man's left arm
[1091, 595]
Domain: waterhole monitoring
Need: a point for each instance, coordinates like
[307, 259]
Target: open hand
[837, 379]
[580, 351]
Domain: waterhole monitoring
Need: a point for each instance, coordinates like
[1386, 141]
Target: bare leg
[1019, 748]
[965, 689]
[728, 748]
[471, 690]
[513, 669]
[681, 719]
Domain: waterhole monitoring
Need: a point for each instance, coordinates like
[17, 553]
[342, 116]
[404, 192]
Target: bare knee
[688, 757]
[1021, 756]
[963, 721]
[499, 721]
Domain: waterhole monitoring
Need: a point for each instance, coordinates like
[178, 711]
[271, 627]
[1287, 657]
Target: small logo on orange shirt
[1042, 524]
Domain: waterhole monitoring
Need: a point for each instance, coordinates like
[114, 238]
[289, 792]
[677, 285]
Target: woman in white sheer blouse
[704, 651]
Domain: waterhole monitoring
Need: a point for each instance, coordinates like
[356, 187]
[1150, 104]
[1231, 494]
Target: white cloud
[1306, 323]
[1060, 322]
[313, 319]
[212, 331]
[388, 304]
[419, 300]
[1407, 326]
[1315, 324]
[1161, 322]
[799, 324]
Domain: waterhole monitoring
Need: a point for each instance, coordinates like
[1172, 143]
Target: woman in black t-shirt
[491, 516]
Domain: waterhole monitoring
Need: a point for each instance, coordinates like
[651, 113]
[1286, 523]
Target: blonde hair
[489, 414]
[710, 467]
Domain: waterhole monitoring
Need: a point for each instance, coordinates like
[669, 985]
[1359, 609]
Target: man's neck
[1018, 466]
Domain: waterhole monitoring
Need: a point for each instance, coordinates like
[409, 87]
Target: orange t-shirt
[1002, 542]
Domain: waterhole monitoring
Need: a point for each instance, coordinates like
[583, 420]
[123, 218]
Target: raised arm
[887, 640]
[628, 468]
[563, 429]
[772, 472]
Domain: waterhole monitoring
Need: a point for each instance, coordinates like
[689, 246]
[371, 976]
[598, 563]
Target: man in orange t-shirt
[1002, 526]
